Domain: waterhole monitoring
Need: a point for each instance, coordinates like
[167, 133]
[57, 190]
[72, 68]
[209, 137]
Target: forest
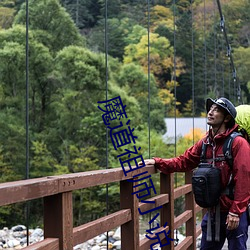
[162, 57]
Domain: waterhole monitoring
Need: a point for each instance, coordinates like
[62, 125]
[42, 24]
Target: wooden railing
[59, 232]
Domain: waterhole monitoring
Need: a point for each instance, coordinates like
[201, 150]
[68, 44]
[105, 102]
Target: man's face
[215, 116]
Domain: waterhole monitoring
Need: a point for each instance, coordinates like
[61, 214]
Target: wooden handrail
[58, 208]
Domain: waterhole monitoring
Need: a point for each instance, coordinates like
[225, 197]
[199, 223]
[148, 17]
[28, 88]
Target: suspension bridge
[56, 192]
[59, 233]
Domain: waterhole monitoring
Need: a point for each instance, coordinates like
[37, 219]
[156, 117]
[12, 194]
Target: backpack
[243, 120]
[206, 179]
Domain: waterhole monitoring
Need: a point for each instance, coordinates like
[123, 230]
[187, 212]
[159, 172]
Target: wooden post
[58, 219]
[190, 205]
[167, 211]
[129, 230]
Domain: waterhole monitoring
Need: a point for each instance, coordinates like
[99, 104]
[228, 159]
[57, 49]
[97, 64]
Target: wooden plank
[198, 231]
[58, 219]
[129, 230]
[198, 209]
[90, 230]
[146, 243]
[182, 190]
[159, 200]
[182, 218]
[24, 190]
[167, 211]
[46, 244]
[98, 177]
[190, 205]
[185, 244]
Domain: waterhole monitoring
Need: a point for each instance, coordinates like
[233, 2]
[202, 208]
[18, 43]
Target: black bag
[206, 182]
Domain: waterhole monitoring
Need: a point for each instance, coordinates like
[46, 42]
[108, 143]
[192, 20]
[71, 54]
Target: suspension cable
[205, 50]
[106, 82]
[174, 75]
[192, 77]
[148, 30]
[149, 121]
[175, 95]
[229, 53]
[27, 207]
[215, 52]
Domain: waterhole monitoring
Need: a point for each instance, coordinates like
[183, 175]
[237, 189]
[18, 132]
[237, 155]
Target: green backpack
[243, 120]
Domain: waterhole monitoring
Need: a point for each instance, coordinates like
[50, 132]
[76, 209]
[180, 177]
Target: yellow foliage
[161, 15]
[172, 84]
[195, 134]
[160, 53]
[203, 114]
[6, 17]
[166, 96]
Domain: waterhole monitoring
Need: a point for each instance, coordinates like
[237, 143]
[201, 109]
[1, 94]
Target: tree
[117, 30]
[6, 17]
[53, 25]
[161, 16]
[40, 60]
[132, 78]
[242, 65]
[161, 57]
[84, 13]
[79, 74]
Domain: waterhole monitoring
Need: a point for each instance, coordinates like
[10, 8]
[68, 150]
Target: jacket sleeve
[185, 162]
[241, 175]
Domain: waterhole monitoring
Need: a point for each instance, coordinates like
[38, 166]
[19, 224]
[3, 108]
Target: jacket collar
[221, 136]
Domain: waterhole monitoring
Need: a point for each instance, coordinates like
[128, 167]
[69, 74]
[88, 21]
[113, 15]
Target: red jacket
[241, 167]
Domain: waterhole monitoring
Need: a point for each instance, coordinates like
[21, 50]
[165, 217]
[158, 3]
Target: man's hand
[147, 162]
[232, 222]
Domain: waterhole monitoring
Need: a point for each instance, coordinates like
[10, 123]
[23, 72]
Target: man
[221, 115]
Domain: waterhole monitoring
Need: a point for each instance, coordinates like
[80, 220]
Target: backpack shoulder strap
[227, 148]
[203, 152]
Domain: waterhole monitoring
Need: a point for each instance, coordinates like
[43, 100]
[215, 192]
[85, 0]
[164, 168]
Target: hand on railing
[147, 162]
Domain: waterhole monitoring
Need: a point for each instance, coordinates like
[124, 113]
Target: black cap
[223, 103]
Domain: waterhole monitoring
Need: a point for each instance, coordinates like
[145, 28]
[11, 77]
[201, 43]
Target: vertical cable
[192, 28]
[215, 52]
[174, 76]
[149, 122]
[148, 28]
[77, 13]
[175, 95]
[205, 51]
[106, 82]
[27, 207]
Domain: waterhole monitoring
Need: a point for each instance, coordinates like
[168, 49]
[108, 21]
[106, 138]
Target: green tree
[84, 13]
[53, 25]
[42, 163]
[241, 56]
[161, 57]
[136, 83]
